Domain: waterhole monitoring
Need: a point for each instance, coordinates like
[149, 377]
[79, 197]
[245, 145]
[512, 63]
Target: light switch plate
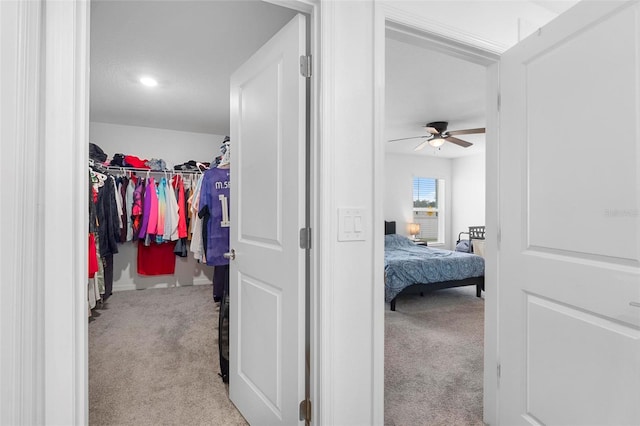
[351, 224]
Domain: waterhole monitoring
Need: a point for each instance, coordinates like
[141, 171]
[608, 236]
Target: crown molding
[449, 35]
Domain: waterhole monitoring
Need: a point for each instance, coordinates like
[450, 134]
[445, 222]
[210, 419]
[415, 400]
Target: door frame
[66, 129]
[434, 35]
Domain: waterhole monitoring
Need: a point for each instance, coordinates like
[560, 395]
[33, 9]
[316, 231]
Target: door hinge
[305, 66]
[305, 410]
[305, 238]
[499, 101]
[498, 372]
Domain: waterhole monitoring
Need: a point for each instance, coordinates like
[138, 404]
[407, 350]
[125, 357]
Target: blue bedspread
[406, 263]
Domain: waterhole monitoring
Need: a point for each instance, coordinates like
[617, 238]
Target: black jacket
[108, 223]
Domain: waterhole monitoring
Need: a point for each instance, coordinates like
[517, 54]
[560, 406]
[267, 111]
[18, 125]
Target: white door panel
[268, 111]
[569, 336]
[570, 202]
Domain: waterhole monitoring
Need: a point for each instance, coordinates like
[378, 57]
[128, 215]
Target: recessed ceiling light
[148, 81]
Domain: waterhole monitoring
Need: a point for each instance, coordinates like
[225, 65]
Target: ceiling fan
[438, 135]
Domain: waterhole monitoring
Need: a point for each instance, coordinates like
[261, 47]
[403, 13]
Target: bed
[409, 267]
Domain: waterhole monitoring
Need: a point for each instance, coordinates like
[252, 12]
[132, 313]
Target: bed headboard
[389, 227]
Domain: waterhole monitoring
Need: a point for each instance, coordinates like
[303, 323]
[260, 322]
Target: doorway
[168, 24]
[405, 395]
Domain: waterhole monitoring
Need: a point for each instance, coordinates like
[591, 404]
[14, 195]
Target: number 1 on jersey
[224, 204]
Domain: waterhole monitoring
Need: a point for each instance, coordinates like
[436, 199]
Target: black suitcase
[223, 333]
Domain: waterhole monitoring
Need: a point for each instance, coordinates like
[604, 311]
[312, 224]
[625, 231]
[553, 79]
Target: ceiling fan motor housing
[440, 126]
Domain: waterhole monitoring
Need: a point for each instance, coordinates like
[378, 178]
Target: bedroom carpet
[434, 359]
[153, 360]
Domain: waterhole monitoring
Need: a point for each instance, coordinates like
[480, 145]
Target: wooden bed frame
[421, 288]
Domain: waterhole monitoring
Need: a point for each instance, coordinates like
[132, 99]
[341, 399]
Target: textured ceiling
[190, 47]
[424, 86]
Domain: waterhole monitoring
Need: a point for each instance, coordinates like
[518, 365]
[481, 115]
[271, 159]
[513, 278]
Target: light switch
[351, 224]
[348, 224]
[357, 223]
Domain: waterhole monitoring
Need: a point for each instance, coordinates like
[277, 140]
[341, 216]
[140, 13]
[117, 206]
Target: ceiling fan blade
[431, 130]
[459, 142]
[467, 131]
[413, 137]
[422, 145]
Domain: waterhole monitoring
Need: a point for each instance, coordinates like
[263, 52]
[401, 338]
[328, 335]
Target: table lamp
[414, 229]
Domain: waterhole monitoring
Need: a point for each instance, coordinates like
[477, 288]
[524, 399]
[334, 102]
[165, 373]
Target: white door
[268, 112]
[569, 257]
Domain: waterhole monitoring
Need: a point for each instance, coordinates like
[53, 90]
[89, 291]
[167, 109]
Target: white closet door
[268, 110]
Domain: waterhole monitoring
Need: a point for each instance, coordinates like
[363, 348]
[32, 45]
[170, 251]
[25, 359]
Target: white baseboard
[143, 286]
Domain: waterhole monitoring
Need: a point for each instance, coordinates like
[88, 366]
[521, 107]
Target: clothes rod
[141, 170]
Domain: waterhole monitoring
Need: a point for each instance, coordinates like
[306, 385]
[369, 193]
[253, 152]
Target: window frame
[439, 210]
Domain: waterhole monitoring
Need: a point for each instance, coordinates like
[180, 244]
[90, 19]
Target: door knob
[230, 255]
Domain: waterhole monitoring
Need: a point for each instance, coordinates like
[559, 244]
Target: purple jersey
[214, 208]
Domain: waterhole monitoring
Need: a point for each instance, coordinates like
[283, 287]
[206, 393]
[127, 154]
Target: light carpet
[153, 360]
[434, 359]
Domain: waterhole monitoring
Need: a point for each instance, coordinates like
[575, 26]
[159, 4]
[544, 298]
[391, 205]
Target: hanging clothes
[150, 215]
[118, 198]
[108, 220]
[197, 246]
[129, 207]
[161, 191]
[171, 222]
[137, 210]
[182, 210]
[93, 257]
[181, 248]
[214, 210]
[121, 194]
[106, 226]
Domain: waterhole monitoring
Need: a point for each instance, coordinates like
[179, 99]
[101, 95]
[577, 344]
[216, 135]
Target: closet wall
[174, 147]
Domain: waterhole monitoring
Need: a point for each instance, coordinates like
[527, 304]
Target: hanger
[201, 166]
[97, 178]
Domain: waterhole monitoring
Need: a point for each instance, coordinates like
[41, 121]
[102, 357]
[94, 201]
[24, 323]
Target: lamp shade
[414, 228]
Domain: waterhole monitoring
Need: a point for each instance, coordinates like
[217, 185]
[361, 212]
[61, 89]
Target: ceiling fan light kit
[436, 142]
[438, 135]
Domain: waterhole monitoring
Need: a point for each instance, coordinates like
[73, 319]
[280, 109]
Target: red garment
[156, 259]
[136, 162]
[93, 257]
[182, 214]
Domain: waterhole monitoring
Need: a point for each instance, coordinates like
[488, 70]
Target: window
[428, 208]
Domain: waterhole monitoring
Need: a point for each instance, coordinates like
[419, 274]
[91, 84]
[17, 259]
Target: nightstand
[419, 243]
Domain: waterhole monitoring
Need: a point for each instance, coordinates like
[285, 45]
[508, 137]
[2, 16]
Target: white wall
[398, 188]
[175, 147]
[349, 344]
[22, 164]
[468, 192]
